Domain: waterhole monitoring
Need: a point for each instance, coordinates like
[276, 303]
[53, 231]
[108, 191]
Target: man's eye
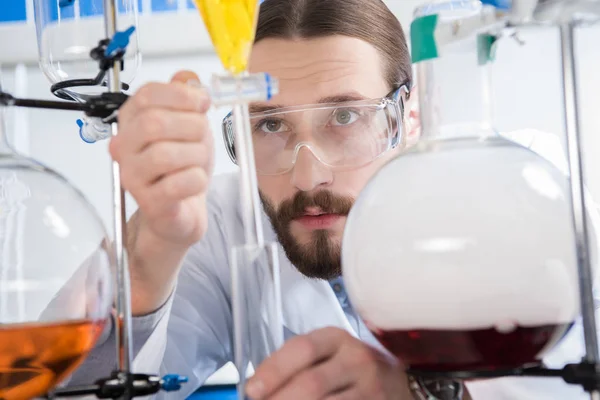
[344, 117]
[271, 126]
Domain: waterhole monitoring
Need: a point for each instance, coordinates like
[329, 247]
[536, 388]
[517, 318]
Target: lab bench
[215, 392]
[220, 386]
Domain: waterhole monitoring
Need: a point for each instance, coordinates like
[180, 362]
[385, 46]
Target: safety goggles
[342, 135]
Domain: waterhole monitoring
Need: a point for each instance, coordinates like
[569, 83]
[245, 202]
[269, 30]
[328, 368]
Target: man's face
[308, 205]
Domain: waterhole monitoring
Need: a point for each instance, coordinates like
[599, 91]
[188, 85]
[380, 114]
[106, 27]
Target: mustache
[325, 200]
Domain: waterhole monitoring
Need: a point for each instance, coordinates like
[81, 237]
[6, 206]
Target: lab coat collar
[308, 304]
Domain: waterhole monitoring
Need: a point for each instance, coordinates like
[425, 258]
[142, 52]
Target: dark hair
[368, 20]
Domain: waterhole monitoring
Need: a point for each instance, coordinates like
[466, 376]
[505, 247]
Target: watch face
[437, 389]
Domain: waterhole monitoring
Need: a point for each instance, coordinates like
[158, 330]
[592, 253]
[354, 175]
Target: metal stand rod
[569, 75]
[8, 100]
[123, 320]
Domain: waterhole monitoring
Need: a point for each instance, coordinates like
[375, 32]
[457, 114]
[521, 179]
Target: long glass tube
[255, 292]
[255, 288]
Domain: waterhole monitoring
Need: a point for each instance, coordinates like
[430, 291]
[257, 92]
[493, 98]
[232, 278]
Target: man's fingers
[162, 125]
[171, 189]
[330, 376]
[163, 158]
[185, 77]
[173, 96]
[296, 355]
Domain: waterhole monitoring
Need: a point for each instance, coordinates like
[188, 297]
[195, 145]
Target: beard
[321, 256]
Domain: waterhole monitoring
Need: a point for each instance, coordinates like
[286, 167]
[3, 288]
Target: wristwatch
[435, 389]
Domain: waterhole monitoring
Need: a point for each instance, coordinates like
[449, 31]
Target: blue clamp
[80, 124]
[500, 4]
[269, 86]
[172, 382]
[119, 42]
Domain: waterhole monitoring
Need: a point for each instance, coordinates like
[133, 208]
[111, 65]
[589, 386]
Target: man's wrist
[154, 265]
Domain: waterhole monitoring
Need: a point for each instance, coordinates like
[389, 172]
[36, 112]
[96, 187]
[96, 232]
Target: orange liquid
[34, 358]
[231, 25]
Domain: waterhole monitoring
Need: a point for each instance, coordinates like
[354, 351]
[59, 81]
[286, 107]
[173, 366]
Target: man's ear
[412, 118]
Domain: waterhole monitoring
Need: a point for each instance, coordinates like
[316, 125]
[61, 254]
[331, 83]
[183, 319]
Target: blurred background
[527, 90]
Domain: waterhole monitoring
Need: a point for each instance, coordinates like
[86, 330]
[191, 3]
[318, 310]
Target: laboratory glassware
[67, 34]
[255, 286]
[460, 252]
[55, 276]
[122, 382]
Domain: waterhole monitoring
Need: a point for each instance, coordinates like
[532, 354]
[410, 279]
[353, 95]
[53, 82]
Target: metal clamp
[117, 384]
[106, 53]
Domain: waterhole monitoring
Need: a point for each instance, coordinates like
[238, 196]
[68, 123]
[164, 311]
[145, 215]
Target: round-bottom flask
[460, 255]
[55, 277]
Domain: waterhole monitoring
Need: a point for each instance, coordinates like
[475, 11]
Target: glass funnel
[460, 253]
[55, 276]
[67, 31]
[231, 25]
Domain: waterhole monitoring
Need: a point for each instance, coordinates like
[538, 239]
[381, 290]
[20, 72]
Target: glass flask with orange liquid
[460, 252]
[55, 276]
[255, 291]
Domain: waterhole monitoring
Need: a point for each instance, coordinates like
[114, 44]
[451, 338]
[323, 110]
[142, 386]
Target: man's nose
[308, 172]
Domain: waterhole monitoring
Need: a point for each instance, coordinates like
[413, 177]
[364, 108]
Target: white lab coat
[195, 338]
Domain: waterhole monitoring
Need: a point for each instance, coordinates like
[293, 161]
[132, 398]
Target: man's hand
[165, 151]
[328, 364]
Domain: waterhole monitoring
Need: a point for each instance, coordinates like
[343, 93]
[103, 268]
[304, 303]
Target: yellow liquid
[231, 25]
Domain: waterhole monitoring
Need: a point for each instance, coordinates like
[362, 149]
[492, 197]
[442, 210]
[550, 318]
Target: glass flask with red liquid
[460, 254]
[55, 276]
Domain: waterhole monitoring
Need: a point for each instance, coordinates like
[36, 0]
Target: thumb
[192, 80]
[185, 77]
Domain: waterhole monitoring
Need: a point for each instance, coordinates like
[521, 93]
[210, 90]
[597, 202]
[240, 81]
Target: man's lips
[316, 219]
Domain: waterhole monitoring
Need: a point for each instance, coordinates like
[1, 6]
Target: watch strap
[435, 389]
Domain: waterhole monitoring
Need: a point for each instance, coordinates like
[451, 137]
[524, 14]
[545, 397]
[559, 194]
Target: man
[337, 54]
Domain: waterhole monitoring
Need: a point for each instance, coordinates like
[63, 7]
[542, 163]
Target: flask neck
[455, 96]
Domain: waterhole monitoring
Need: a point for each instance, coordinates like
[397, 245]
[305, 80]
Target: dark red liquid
[485, 349]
